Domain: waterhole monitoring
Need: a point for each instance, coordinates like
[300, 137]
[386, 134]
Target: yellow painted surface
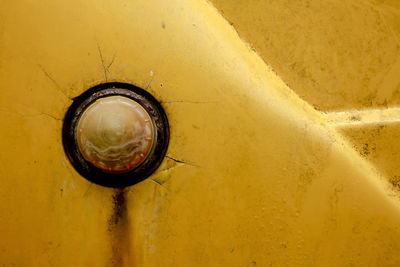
[335, 54]
[253, 174]
[374, 134]
[342, 57]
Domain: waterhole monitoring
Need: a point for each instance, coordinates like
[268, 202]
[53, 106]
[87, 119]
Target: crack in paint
[181, 161]
[53, 81]
[31, 115]
[106, 69]
[188, 102]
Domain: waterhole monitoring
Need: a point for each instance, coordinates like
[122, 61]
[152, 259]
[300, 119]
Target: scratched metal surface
[254, 175]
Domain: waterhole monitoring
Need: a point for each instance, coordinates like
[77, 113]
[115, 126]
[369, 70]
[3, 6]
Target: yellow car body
[283, 141]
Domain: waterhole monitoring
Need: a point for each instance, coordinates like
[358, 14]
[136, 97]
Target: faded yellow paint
[342, 57]
[374, 134]
[336, 54]
[253, 175]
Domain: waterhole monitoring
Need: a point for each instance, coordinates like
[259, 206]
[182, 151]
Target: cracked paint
[106, 67]
[254, 174]
[53, 81]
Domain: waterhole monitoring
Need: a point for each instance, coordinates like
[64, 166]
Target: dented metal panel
[253, 175]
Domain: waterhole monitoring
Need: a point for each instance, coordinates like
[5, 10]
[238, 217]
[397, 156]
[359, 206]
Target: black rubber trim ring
[91, 172]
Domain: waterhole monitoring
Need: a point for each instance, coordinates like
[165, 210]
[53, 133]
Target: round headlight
[115, 134]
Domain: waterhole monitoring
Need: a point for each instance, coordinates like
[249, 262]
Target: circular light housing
[115, 134]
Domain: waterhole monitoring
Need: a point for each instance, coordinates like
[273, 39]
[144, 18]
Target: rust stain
[119, 229]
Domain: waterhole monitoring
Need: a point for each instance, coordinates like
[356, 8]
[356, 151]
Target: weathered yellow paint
[374, 134]
[253, 175]
[336, 54]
